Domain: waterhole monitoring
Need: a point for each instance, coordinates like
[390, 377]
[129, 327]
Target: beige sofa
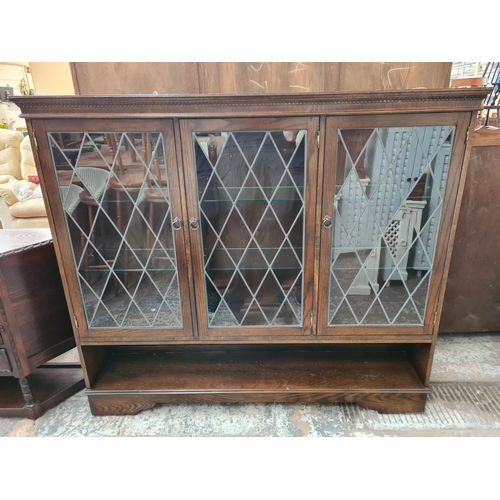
[16, 162]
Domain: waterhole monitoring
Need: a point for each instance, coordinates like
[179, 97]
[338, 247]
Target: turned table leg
[27, 391]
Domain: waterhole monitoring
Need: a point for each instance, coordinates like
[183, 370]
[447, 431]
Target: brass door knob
[176, 224]
[194, 224]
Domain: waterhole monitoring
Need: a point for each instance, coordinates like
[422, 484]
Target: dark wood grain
[182, 167]
[176, 194]
[419, 355]
[258, 369]
[272, 77]
[325, 235]
[35, 325]
[393, 75]
[33, 312]
[5, 365]
[52, 351]
[317, 280]
[400, 402]
[471, 300]
[485, 137]
[135, 77]
[264, 105]
[34, 286]
[347, 338]
[49, 386]
[383, 380]
[94, 360]
[309, 292]
[8, 345]
[191, 202]
[254, 77]
[278, 364]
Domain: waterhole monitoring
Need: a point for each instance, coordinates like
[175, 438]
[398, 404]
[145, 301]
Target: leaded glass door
[120, 209]
[383, 203]
[251, 200]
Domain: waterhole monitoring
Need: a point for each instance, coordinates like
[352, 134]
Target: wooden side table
[35, 326]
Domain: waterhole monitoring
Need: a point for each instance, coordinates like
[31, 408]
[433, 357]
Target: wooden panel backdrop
[135, 78]
[254, 78]
[394, 75]
[472, 300]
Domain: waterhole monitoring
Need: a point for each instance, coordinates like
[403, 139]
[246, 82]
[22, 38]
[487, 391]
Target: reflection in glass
[389, 190]
[115, 196]
[251, 195]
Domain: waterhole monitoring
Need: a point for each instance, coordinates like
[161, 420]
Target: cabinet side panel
[471, 299]
[419, 355]
[95, 358]
[37, 297]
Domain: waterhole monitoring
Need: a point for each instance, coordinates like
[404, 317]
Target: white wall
[46, 78]
[52, 78]
[11, 75]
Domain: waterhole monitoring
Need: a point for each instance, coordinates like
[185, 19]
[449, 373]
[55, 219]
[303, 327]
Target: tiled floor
[465, 401]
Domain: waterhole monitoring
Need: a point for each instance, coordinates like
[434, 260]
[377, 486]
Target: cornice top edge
[227, 100]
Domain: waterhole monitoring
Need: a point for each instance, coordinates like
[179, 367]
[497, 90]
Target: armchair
[16, 162]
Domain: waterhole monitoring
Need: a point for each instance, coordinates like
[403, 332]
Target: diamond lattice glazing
[251, 196]
[115, 195]
[389, 194]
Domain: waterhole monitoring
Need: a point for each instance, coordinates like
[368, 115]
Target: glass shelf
[379, 268]
[129, 270]
[287, 248]
[253, 200]
[221, 269]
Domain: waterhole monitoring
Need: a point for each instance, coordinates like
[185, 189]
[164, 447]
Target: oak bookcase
[254, 248]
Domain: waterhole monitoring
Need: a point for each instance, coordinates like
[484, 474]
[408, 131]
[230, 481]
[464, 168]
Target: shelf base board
[103, 404]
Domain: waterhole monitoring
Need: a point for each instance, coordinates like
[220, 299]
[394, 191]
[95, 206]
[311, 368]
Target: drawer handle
[194, 224]
[327, 222]
[177, 224]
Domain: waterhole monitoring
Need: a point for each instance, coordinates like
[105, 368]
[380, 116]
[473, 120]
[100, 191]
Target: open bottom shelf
[384, 380]
[50, 384]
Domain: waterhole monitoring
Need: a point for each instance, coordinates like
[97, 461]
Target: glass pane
[251, 195]
[115, 194]
[389, 190]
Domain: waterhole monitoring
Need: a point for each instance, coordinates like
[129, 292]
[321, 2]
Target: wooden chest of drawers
[35, 326]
